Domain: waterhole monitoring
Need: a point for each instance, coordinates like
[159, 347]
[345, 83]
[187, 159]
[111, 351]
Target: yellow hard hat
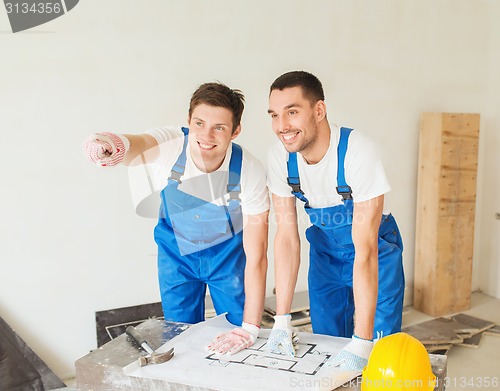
[398, 362]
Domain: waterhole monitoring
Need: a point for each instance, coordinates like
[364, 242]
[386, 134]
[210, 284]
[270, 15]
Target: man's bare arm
[143, 149]
[286, 252]
[255, 239]
[366, 222]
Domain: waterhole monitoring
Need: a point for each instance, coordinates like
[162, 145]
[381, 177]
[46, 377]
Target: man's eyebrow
[286, 107]
[202, 120]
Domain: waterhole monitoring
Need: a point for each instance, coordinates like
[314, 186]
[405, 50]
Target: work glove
[283, 338]
[106, 149]
[237, 339]
[354, 356]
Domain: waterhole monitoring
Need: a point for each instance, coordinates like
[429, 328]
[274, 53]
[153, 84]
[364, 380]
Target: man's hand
[106, 149]
[235, 340]
[283, 339]
[354, 356]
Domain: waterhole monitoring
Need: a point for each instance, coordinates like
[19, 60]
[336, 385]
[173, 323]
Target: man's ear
[320, 110]
[236, 132]
[189, 119]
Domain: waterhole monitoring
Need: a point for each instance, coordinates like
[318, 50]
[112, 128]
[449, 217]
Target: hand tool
[152, 357]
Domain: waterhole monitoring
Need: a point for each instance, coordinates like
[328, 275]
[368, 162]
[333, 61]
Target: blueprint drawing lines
[308, 359]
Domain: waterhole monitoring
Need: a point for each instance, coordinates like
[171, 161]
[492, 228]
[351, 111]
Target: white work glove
[237, 339]
[354, 356]
[106, 149]
[283, 338]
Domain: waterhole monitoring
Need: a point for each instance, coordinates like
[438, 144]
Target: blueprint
[252, 368]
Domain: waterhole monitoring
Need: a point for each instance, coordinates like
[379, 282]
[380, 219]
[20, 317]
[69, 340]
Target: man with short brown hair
[356, 281]
[213, 223]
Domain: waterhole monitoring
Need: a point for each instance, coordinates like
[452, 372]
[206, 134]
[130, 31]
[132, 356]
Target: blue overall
[332, 257]
[200, 244]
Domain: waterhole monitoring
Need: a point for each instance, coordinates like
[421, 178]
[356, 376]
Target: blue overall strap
[293, 178]
[180, 165]
[342, 187]
[233, 183]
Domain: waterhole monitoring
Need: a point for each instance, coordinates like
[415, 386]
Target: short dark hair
[219, 95]
[310, 84]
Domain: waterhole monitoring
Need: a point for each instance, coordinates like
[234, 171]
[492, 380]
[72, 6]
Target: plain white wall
[71, 243]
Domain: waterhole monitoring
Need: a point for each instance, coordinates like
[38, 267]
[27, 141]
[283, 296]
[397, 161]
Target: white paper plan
[251, 369]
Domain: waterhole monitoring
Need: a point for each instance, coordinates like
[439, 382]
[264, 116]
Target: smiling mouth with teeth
[206, 146]
[289, 136]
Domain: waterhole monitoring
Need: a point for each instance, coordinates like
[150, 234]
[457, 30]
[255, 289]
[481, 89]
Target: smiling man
[355, 269]
[213, 222]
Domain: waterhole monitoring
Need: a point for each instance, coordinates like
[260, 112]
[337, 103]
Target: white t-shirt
[364, 172]
[210, 187]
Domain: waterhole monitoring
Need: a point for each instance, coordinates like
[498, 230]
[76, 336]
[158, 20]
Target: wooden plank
[460, 329]
[439, 331]
[445, 212]
[460, 124]
[454, 264]
[472, 324]
[457, 208]
[459, 153]
[457, 185]
[472, 342]
[429, 161]
[494, 331]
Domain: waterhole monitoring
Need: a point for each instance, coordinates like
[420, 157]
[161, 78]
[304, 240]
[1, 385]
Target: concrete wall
[71, 242]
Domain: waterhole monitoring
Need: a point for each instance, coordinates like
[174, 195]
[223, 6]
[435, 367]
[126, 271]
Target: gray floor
[468, 369]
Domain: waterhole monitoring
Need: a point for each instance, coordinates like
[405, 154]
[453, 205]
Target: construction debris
[494, 331]
[440, 334]
[472, 342]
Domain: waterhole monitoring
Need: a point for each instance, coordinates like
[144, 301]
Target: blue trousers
[330, 280]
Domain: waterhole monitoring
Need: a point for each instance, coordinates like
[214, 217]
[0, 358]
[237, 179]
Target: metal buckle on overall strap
[345, 192]
[295, 186]
[175, 176]
[234, 192]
